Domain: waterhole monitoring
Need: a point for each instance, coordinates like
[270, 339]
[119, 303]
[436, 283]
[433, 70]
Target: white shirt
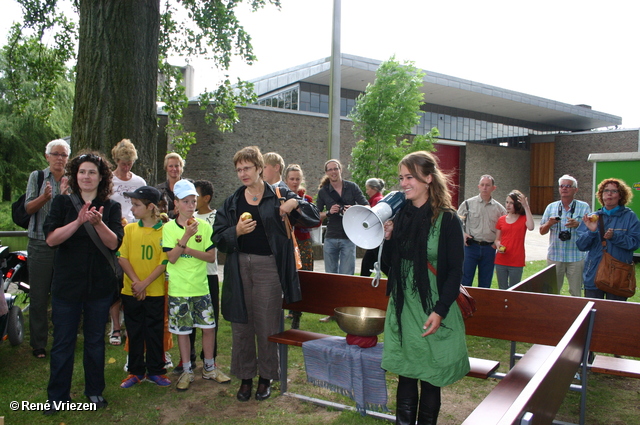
[117, 193]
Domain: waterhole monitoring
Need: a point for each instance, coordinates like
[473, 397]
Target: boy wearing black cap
[143, 295]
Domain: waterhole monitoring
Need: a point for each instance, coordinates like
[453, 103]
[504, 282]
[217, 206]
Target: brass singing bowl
[360, 321]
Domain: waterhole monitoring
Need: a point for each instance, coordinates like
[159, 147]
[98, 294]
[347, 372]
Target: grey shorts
[186, 313]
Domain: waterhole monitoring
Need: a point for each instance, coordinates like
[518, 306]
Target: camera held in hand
[565, 235]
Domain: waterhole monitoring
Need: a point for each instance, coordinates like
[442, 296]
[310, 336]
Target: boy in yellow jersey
[143, 295]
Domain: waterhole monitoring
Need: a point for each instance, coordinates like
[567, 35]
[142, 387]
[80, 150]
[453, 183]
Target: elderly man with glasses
[560, 220]
[42, 187]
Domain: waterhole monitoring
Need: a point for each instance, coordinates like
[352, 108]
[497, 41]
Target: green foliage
[383, 115]
[36, 99]
[213, 32]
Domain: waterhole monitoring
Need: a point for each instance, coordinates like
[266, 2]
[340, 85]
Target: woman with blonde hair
[424, 334]
[124, 155]
[174, 166]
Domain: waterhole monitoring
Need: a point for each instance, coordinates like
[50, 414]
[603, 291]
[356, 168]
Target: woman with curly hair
[621, 231]
[84, 278]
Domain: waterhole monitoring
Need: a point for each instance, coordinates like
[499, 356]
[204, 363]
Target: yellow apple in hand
[246, 216]
[502, 248]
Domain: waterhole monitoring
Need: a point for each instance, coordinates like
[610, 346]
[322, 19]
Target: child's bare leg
[208, 341]
[185, 347]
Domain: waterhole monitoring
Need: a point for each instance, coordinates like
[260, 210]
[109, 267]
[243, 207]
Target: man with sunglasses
[560, 220]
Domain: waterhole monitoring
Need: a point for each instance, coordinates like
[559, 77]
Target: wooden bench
[535, 387]
[321, 294]
[528, 317]
[617, 321]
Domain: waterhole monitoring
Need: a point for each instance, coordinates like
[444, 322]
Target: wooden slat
[615, 366]
[482, 368]
[296, 337]
[507, 391]
[543, 282]
[323, 292]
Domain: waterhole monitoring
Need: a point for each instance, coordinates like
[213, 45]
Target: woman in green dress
[424, 334]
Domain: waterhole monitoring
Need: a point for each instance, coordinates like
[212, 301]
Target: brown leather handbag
[614, 276]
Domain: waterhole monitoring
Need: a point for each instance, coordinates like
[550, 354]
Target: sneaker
[167, 360]
[126, 364]
[131, 380]
[215, 374]
[185, 380]
[160, 380]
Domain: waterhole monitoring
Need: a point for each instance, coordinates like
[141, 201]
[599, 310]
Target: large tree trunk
[116, 82]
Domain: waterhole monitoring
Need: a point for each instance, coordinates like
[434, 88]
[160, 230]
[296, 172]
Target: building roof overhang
[439, 89]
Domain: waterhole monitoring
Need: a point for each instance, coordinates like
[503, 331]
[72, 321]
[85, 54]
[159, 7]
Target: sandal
[39, 353]
[115, 338]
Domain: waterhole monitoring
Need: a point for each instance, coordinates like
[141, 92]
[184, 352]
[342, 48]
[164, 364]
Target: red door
[449, 157]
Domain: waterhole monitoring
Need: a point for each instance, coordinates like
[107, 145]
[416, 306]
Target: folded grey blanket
[349, 370]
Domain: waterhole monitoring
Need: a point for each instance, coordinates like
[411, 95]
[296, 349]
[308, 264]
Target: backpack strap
[40, 181]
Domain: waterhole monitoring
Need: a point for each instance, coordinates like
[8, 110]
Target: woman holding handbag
[620, 231]
[260, 269]
[87, 230]
[424, 333]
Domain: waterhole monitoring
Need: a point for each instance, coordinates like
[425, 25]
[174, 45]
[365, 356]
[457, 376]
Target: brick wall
[509, 167]
[299, 137]
[572, 152]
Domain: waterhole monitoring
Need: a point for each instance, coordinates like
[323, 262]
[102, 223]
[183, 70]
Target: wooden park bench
[533, 390]
[615, 332]
[321, 294]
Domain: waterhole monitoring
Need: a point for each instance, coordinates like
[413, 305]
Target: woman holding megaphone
[424, 330]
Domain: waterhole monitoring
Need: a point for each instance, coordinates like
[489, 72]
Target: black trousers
[145, 328]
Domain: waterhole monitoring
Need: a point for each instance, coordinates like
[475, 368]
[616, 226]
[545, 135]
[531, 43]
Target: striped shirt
[564, 251]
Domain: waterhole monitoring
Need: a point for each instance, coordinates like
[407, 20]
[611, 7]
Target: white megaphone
[364, 226]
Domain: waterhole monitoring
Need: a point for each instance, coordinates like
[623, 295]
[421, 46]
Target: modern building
[526, 142]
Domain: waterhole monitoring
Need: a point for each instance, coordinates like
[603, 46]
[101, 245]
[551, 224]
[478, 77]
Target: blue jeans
[339, 256]
[601, 295]
[66, 318]
[483, 257]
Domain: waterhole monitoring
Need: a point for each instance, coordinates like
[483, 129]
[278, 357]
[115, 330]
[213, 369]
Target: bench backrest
[543, 282]
[537, 386]
[323, 292]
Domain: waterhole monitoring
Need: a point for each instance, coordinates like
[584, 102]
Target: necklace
[255, 197]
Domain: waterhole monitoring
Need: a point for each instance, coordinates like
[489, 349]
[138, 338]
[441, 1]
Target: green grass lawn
[611, 400]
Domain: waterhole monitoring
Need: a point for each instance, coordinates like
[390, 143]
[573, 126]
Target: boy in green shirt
[187, 242]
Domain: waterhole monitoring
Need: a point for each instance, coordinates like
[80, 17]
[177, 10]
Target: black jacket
[450, 261]
[224, 237]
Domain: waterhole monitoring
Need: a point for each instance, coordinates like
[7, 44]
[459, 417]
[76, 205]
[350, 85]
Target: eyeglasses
[611, 191]
[244, 169]
[566, 186]
[59, 155]
[332, 169]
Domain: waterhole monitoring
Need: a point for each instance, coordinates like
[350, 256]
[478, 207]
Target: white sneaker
[167, 360]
